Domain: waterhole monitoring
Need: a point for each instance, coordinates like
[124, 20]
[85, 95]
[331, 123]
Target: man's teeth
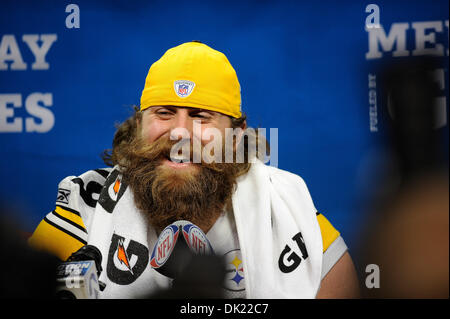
[179, 158]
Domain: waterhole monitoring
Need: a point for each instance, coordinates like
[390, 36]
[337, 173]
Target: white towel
[127, 222]
[270, 206]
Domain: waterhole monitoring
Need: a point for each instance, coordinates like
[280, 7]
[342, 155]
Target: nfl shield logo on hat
[184, 88]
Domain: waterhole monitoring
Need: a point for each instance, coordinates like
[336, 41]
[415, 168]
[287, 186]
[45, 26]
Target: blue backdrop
[304, 68]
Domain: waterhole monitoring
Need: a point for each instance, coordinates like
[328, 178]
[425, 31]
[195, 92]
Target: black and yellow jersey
[65, 229]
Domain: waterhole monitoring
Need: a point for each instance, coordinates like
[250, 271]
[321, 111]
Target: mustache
[165, 148]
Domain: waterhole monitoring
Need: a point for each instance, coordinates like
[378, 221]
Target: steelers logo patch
[234, 279]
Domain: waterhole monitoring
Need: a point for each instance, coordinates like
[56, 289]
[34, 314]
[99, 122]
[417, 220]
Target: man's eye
[163, 112]
[201, 115]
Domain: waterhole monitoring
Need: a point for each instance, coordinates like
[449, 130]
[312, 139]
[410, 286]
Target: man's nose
[182, 125]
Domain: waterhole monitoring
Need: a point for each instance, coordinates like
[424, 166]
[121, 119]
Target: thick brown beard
[197, 194]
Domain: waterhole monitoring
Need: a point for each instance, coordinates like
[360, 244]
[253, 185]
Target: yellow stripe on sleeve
[329, 233]
[48, 238]
[70, 216]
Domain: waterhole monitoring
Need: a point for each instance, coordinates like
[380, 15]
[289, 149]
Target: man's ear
[138, 123]
[242, 127]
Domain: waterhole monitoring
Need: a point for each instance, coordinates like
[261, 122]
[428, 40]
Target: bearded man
[167, 164]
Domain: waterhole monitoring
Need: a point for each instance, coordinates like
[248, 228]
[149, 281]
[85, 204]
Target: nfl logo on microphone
[173, 252]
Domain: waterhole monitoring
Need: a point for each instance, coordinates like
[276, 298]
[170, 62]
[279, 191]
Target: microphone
[77, 278]
[176, 246]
